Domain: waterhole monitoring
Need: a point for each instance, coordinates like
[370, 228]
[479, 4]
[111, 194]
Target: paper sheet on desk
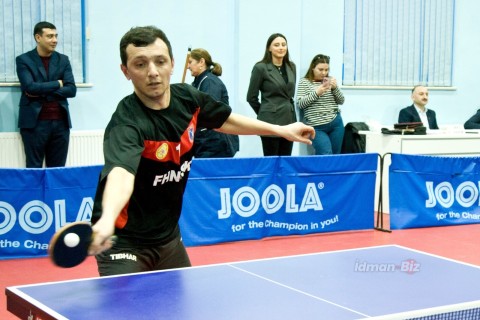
[469, 131]
[448, 129]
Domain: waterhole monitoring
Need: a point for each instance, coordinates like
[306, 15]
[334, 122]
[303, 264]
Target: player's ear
[125, 71]
[173, 65]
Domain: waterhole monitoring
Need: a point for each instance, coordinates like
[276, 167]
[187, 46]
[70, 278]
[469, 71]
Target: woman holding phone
[319, 97]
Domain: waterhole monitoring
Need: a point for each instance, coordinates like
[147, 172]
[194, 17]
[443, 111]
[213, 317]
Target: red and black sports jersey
[155, 146]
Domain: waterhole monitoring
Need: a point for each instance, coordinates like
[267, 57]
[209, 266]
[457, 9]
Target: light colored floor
[455, 242]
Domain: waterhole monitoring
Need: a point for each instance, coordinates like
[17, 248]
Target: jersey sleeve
[212, 113]
[123, 147]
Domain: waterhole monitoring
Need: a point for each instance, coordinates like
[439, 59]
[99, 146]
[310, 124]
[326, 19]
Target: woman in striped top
[319, 97]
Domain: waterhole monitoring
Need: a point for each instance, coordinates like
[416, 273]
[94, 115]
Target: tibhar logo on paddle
[409, 266]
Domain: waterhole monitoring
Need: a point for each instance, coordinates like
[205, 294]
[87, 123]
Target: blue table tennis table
[383, 282]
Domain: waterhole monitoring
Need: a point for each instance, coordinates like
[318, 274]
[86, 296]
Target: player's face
[150, 69]
[420, 96]
[278, 48]
[47, 41]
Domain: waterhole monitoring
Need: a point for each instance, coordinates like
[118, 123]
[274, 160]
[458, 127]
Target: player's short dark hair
[142, 37]
[38, 29]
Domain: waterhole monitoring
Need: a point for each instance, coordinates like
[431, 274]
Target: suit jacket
[473, 122]
[276, 104]
[410, 114]
[35, 82]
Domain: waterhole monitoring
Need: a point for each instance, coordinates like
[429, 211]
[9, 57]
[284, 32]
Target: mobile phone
[326, 80]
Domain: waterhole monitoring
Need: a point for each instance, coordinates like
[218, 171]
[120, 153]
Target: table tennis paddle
[69, 245]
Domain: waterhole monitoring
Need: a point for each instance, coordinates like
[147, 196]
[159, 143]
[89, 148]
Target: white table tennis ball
[71, 240]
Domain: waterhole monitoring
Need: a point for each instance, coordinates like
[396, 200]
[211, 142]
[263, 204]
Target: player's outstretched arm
[117, 193]
[238, 124]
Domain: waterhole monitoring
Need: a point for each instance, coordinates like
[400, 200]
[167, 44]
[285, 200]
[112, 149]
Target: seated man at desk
[418, 111]
[473, 122]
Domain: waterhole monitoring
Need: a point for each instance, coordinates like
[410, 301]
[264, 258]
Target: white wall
[235, 32]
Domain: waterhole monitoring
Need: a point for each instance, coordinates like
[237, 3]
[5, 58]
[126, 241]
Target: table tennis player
[148, 152]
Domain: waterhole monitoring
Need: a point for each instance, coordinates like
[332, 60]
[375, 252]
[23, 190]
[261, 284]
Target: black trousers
[276, 146]
[124, 259]
[48, 140]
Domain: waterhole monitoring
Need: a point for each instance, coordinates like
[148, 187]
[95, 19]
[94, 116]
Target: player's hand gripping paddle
[69, 245]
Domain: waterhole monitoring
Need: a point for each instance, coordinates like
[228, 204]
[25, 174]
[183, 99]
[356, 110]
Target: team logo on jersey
[191, 133]
[162, 151]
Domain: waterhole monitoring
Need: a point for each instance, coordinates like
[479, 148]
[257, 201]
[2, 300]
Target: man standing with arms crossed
[46, 80]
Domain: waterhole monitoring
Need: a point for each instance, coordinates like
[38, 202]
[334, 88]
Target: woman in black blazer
[274, 77]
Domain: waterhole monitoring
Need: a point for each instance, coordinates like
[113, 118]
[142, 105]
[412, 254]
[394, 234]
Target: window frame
[18, 19]
[419, 54]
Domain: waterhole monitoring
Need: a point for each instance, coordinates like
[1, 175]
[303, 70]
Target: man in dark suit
[473, 122]
[418, 111]
[46, 80]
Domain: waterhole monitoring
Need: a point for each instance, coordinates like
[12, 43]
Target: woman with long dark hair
[274, 79]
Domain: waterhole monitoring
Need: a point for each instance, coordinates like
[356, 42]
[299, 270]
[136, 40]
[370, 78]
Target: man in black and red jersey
[148, 153]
